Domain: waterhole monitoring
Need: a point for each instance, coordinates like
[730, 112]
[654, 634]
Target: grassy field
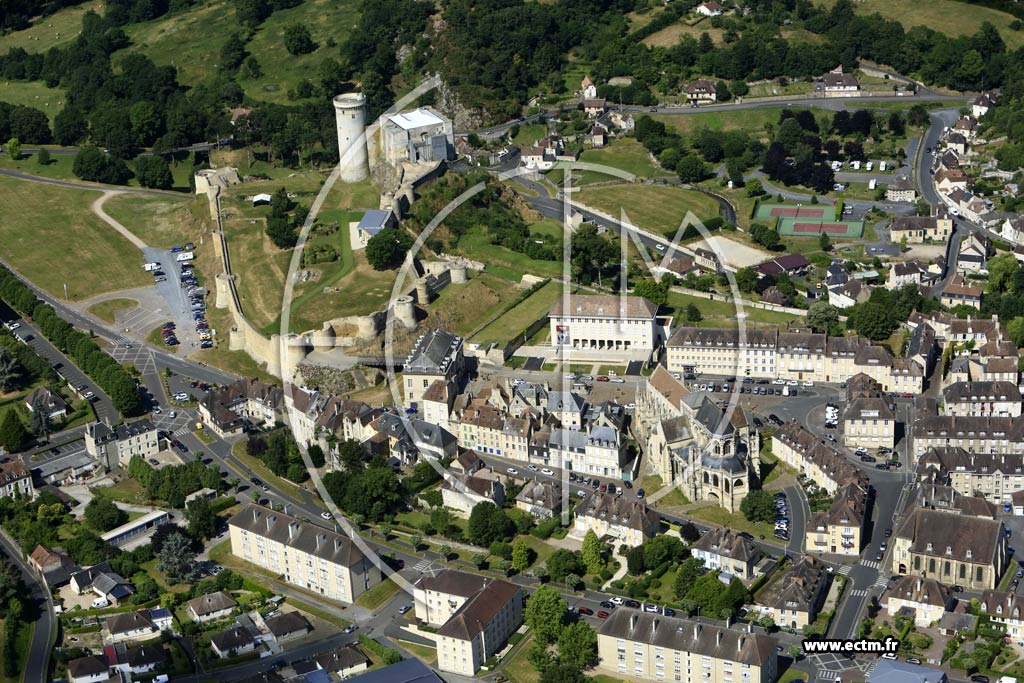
[518, 669]
[529, 133]
[92, 259]
[735, 521]
[626, 154]
[46, 32]
[752, 120]
[723, 313]
[330, 272]
[21, 644]
[503, 262]
[653, 207]
[61, 167]
[461, 308]
[945, 16]
[191, 41]
[33, 94]
[105, 310]
[378, 595]
[669, 36]
[674, 498]
[127, 491]
[520, 316]
[157, 221]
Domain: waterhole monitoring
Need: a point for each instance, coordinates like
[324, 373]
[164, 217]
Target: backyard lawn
[656, 208]
[378, 595]
[723, 313]
[518, 669]
[92, 259]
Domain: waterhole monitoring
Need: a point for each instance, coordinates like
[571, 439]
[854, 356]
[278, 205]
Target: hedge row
[77, 345]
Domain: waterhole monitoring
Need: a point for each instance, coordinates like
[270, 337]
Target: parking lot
[184, 299]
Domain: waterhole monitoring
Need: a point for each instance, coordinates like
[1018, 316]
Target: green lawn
[105, 310]
[427, 654]
[657, 208]
[378, 595]
[21, 644]
[723, 313]
[503, 262]
[735, 521]
[127, 491]
[627, 155]
[529, 133]
[653, 484]
[751, 120]
[518, 669]
[237, 362]
[330, 272]
[157, 221]
[33, 94]
[262, 471]
[92, 259]
[518, 318]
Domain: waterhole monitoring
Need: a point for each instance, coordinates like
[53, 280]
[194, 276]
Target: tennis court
[802, 227]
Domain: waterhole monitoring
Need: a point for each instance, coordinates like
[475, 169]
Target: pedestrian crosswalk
[881, 582]
[859, 592]
[872, 564]
[422, 565]
[844, 570]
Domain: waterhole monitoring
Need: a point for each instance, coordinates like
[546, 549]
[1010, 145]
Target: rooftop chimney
[696, 631]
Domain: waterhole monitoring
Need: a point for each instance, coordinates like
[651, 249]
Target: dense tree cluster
[284, 220]
[103, 515]
[26, 124]
[79, 346]
[880, 316]
[174, 483]
[280, 454]
[367, 488]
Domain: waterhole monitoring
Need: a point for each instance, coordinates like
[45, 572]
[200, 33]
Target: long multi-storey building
[474, 617]
[795, 445]
[1004, 435]
[982, 399]
[788, 355]
[303, 554]
[992, 476]
[658, 648]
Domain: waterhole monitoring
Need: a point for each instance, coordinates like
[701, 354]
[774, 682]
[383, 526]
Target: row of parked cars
[198, 304]
[781, 517]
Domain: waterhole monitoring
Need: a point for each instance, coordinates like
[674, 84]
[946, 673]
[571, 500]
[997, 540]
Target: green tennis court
[811, 227]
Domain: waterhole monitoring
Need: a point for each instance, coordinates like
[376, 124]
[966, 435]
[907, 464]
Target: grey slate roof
[234, 638]
[685, 635]
[293, 532]
[433, 353]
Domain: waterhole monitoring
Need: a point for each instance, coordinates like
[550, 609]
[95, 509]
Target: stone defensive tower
[350, 114]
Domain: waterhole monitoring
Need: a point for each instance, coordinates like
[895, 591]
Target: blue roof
[318, 676]
[375, 218]
[159, 613]
[406, 671]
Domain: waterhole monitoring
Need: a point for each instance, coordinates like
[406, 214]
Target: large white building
[605, 323]
[474, 617]
[114, 447]
[300, 553]
[420, 136]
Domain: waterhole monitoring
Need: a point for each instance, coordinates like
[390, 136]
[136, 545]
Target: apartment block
[303, 554]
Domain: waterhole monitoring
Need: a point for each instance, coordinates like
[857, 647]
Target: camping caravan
[872, 184]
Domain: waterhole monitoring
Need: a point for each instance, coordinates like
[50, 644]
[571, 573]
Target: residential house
[343, 661]
[621, 518]
[101, 580]
[991, 476]
[474, 617]
[127, 626]
[957, 293]
[212, 606]
[16, 480]
[923, 347]
[541, 498]
[53, 565]
[648, 646]
[975, 249]
[905, 273]
[406, 671]
[957, 143]
[142, 659]
[228, 409]
[922, 229]
[967, 126]
[587, 88]
[901, 189]
[727, 551]
[303, 554]
[1006, 609]
[950, 548]
[840, 530]
[90, 669]
[287, 626]
[926, 599]
[709, 9]
[1001, 435]
[463, 493]
[869, 422]
[52, 405]
[793, 598]
[114, 447]
[948, 180]
[836, 83]
[982, 104]
[809, 454]
[791, 264]
[233, 642]
[848, 294]
[701, 91]
[598, 136]
[595, 107]
[1013, 231]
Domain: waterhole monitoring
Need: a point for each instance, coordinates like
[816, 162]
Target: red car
[602, 378]
[585, 610]
[601, 614]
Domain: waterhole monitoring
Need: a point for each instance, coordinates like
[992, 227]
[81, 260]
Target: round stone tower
[350, 114]
[405, 311]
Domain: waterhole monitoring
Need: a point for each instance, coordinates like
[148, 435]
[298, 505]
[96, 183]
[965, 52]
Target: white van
[870, 165]
[872, 184]
[100, 602]
[881, 165]
[856, 165]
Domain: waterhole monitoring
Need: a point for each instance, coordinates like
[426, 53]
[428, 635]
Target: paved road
[37, 666]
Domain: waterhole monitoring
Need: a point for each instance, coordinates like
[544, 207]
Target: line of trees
[80, 347]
